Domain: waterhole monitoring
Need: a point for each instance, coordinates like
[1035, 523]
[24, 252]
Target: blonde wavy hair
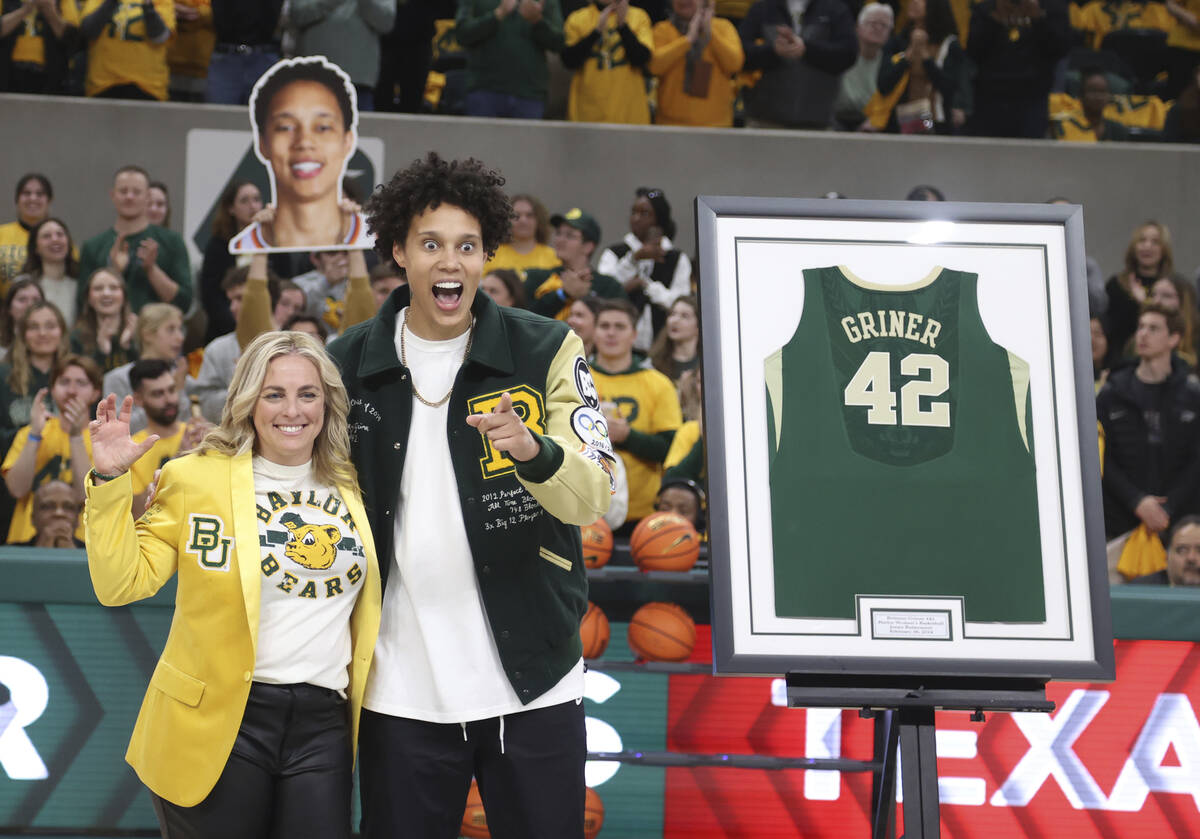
[20, 377]
[236, 435]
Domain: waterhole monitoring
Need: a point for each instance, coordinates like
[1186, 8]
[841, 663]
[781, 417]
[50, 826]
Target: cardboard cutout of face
[304, 114]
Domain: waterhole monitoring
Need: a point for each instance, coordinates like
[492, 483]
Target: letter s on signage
[28, 697]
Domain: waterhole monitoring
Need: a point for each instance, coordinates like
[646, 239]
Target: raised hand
[576, 284]
[75, 417]
[193, 433]
[531, 10]
[118, 254]
[113, 450]
[602, 21]
[507, 433]
[38, 413]
[147, 253]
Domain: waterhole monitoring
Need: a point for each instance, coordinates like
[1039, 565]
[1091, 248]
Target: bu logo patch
[207, 540]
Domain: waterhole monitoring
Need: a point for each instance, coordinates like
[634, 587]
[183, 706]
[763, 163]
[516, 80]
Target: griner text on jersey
[891, 323]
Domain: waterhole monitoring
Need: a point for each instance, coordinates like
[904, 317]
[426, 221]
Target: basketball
[597, 543]
[474, 822]
[593, 814]
[594, 631]
[662, 632]
[664, 542]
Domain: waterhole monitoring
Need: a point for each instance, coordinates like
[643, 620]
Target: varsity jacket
[202, 527]
[1128, 453]
[521, 520]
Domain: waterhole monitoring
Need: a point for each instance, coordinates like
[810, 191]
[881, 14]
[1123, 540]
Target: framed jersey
[902, 453]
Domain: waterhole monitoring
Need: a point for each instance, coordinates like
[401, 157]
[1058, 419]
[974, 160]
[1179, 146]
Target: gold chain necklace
[404, 361]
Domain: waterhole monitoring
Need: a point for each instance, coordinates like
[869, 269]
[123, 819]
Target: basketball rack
[903, 707]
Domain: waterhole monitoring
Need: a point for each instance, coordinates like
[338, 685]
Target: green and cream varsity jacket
[522, 520]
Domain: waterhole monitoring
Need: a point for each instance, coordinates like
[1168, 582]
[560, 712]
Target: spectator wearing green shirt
[153, 260]
[506, 43]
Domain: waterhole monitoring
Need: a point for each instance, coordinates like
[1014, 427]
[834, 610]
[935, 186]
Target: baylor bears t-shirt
[312, 566]
[901, 455]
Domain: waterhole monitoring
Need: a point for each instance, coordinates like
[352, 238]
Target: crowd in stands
[123, 312]
[1074, 70]
[1144, 353]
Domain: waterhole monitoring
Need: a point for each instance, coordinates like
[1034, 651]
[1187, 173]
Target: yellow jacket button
[246, 676]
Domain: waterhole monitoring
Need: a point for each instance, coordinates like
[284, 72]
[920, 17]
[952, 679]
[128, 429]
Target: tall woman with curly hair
[248, 726]
[475, 437]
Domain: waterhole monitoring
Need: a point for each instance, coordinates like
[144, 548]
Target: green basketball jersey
[901, 457]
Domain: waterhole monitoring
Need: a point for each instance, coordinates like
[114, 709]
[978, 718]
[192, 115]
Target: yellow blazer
[202, 518]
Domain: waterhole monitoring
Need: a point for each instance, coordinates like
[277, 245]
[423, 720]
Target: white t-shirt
[436, 659]
[312, 566]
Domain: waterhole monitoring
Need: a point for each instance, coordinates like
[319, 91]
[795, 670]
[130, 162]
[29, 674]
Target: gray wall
[78, 143]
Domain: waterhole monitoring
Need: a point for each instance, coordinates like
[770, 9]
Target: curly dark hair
[308, 69]
[429, 183]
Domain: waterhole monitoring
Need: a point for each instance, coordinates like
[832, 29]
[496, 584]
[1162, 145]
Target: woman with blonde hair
[1148, 258]
[159, 335]
[40, 341]
[249, 724]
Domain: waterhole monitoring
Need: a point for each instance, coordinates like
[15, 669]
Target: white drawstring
[464, 728]
[502, 734]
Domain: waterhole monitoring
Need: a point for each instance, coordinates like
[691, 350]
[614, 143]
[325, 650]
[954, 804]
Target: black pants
[414, 775]
[289, 775]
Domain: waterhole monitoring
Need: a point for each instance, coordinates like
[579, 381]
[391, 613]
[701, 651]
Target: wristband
[104, 477]
[35, 438]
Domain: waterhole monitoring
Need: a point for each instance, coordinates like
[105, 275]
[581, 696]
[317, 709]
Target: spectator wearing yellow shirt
[127, 47]
[640, 404]
[189, 52]
[608, 44]
[33, 196]
[1089, 125]
[43, 33]
[52, 447]
[695, 57]
[156, 391]
[530, 233]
